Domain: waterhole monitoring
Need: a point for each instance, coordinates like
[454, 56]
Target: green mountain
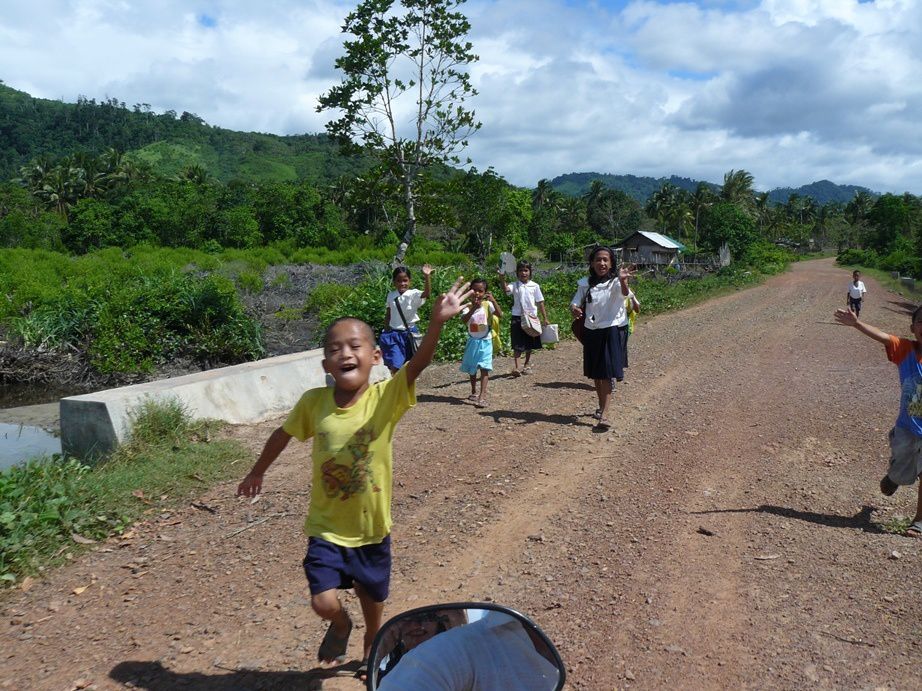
[640, 188]
[822, 192]
[168, 143]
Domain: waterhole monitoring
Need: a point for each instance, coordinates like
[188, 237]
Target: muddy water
[25, 434]
[20, 443]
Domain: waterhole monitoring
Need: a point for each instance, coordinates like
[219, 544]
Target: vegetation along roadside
[51, 509]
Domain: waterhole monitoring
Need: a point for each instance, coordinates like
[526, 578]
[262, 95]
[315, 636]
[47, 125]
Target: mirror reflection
[464, 649]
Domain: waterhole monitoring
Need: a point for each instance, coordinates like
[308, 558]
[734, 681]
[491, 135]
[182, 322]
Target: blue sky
[791, 90]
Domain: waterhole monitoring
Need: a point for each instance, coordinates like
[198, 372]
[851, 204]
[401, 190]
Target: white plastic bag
[550, 334]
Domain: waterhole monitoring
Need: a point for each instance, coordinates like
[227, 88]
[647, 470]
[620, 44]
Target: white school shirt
[607, 307]
[856, 291]
[524, 294]
[478, 326]
[410, 302]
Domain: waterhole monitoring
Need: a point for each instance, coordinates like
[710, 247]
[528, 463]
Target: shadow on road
[432, 398]
[860, 521]
[155, 677]
[566, 385]
[529, 417]
[900, 307]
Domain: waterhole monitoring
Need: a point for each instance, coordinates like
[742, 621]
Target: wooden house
[649, 249]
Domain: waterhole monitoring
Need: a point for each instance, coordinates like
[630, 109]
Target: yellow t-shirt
[352, 459]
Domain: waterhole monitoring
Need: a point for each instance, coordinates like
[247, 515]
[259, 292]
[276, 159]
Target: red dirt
[752, 417]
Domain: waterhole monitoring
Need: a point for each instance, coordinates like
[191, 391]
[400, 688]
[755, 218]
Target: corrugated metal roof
[662, 240]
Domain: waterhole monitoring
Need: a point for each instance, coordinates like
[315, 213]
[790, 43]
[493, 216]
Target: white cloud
[791, 90]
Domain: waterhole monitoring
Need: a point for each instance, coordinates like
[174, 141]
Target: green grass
[896, 524]
[48, 505]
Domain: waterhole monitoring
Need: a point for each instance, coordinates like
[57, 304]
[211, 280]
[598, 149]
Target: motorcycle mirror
[463, 645]
[507, 262]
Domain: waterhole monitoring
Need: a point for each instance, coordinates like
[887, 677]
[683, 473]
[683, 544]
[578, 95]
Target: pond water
[19, 443]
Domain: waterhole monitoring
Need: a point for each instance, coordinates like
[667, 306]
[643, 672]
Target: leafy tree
[91, 226]
[611, 214]
[418, 49]
[726, 222]
[491, 213]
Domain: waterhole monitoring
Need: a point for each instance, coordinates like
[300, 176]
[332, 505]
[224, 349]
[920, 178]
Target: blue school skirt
[395, 346]
[602, 354]
[477, 355]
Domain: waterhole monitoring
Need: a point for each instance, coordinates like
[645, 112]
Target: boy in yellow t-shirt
[349, 520]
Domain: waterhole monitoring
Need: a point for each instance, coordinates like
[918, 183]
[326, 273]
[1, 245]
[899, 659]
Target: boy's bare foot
[888, 486]
[527, 369]
[333, 646]
[481, 403]
[516, 373]
[472, 397]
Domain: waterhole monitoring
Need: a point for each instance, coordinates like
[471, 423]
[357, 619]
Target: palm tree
[737, 188]
[542, 195]
[700, 200]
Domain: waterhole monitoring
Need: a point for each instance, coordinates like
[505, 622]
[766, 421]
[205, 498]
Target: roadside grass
[50, 509]
[896, 524]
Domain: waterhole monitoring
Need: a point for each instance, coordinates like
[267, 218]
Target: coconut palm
[737, 188]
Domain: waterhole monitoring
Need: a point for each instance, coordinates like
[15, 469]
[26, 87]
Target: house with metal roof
[650, 249]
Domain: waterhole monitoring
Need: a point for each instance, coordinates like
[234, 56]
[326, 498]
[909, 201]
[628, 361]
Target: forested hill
[640, 188]
[168, 143]
[822, 192]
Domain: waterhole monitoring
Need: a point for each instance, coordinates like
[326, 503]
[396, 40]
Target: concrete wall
[96, 423]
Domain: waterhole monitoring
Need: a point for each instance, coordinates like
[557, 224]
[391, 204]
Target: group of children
[481, 317]
[352, 423]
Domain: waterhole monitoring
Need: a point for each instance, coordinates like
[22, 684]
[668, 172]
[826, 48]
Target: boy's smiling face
[349, 353]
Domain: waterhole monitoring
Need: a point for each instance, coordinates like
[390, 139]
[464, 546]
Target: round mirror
[463, 647]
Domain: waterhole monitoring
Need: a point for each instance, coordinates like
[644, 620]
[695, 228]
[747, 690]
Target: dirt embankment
[727, 532]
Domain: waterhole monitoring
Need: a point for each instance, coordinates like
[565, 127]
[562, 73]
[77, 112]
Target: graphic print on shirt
[346, 481]
[477, 324]
[912, 394]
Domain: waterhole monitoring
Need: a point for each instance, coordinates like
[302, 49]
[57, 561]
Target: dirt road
[727, 534]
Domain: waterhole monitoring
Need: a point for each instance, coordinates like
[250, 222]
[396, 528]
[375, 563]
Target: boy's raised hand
[846, 317]
[452, 302]
[427, 270]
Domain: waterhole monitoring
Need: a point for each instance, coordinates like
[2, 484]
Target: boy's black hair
[523, 264]
[400, 270]
[917, 314]
[477, 280]
[367, 328]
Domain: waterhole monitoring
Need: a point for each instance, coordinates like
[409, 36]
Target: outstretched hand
[627, 272]
[451, 303]
[427, 270]
[846, 317]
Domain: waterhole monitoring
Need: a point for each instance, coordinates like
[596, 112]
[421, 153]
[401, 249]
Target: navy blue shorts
[328, 566]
